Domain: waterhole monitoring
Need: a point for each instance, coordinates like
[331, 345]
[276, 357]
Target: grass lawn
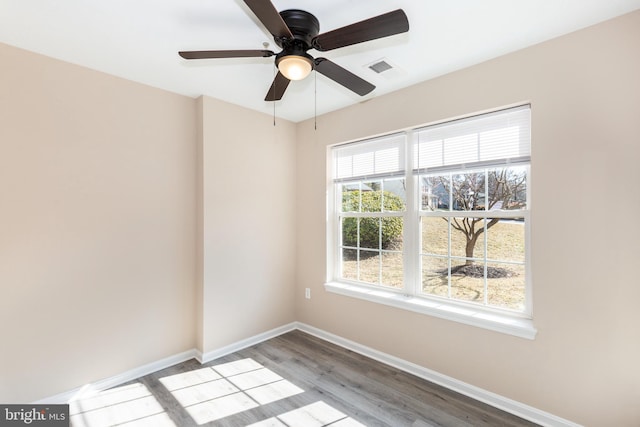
[505, 282]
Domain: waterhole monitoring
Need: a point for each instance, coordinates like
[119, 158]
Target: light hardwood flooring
[291, 380]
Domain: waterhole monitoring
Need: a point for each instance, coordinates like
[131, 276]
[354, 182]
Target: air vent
[380, 66]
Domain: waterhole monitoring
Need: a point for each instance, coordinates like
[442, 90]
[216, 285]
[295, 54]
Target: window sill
[516, 326]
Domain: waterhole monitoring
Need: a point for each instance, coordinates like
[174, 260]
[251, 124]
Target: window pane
[468, 191]
[467, 281]
[350, 196]
[395, 195]
[467, 237]
[369, 233]
[372, 196]
[349, 264]
[434, 192]
[505, 240]
[506, 285]
[392, 272]
[435, 236]
[370, 267]
[350, 232]
[392, 233]
[507, 188]
[435, 276]
[366, 232]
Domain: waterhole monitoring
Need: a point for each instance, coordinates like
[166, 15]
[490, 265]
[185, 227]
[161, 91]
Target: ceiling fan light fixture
[295, 67]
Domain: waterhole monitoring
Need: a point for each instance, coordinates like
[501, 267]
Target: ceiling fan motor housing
[304, 27]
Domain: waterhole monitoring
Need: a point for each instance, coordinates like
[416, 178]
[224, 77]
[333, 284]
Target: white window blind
[381, 157]
[501, 137]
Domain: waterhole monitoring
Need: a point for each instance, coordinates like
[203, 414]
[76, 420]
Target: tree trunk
[471, 244]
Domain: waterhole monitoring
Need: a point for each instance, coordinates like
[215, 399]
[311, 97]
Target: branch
[491, 223]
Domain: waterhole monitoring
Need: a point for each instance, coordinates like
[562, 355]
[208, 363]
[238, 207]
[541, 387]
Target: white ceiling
[139, 40]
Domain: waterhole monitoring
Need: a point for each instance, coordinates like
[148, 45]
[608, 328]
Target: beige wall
[248, 223]
[97, 225]
[585, 94]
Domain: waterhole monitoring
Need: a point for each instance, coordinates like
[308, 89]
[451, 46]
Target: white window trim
[482, 318]
[502, 321]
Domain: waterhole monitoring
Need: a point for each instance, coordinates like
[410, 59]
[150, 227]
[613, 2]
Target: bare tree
[491, 190]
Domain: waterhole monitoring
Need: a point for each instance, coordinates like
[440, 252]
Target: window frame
[410, 296]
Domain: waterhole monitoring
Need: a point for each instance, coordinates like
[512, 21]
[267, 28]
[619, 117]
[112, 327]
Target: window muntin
[465, 224]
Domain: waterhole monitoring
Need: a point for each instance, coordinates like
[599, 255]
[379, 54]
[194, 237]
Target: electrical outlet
[307, 293]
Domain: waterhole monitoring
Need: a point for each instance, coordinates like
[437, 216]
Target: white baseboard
[256, 339]
[511, 406]
[90, 389]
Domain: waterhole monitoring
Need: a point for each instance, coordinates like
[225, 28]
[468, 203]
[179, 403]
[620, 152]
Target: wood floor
[291, 380]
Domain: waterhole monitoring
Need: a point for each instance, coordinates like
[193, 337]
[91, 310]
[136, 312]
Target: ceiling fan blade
[270, 18]
[344, 77]
[206, 54]
[277, 88]
[385, 25]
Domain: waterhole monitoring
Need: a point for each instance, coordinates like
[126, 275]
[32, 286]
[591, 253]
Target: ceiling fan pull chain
[315, 101]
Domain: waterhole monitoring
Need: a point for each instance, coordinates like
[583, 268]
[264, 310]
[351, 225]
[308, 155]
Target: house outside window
[437, 216]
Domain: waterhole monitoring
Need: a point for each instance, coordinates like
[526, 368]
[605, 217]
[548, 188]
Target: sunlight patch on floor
[127, 405]
[207, 395]
[217, 392]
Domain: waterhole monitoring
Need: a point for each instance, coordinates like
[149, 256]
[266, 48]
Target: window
[370, 187]
[437, 217]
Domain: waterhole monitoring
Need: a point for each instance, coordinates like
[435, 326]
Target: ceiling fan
[296, 32]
